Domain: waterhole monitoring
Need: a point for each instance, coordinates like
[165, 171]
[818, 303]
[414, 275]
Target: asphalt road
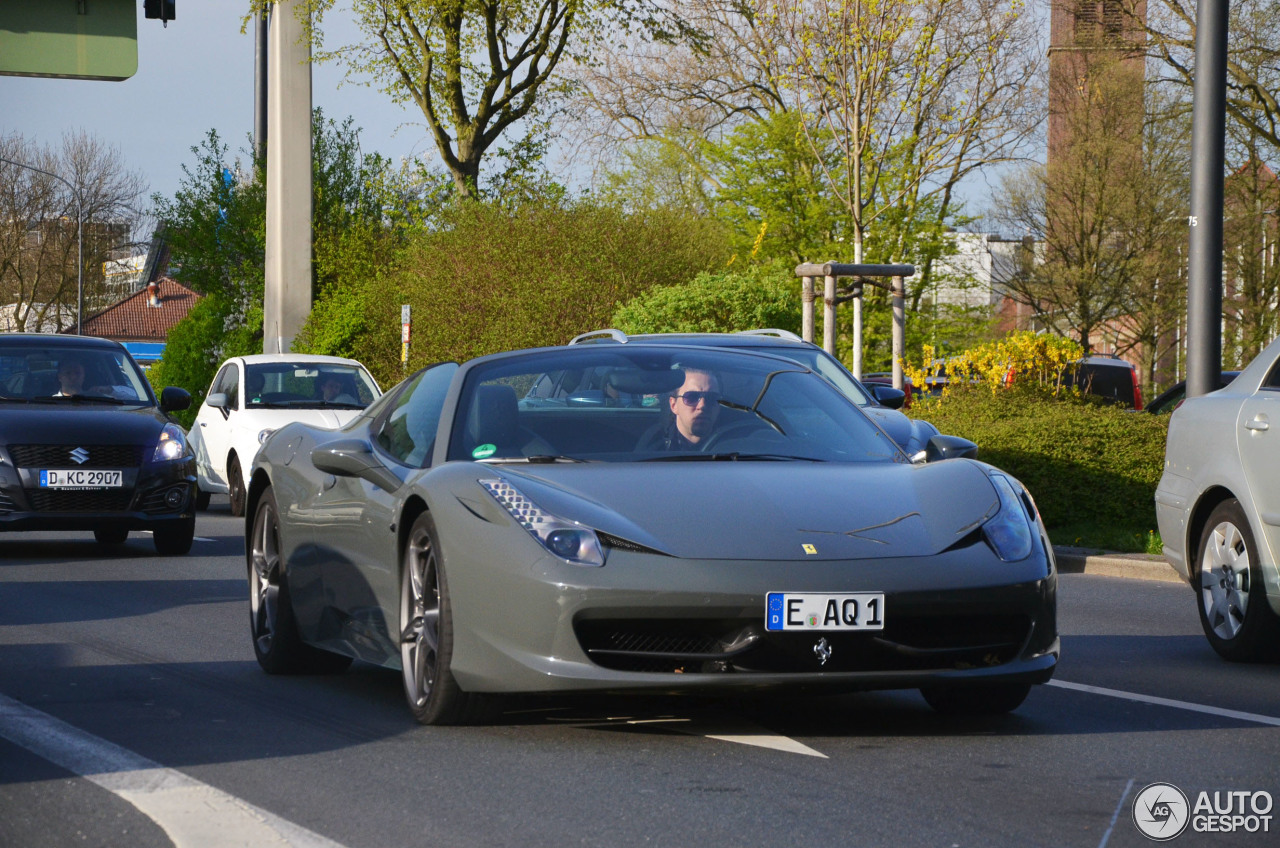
[143, 720]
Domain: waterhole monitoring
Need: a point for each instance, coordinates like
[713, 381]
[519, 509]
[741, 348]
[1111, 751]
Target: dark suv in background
[879, 402]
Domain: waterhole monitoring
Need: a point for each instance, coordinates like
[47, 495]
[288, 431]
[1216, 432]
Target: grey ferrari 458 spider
[717, 520]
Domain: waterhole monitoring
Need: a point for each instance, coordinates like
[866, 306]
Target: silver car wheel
[420, 617]
[264, 577]
[1224, 580]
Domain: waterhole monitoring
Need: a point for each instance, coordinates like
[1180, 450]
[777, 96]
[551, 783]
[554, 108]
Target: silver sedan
[1218, 508]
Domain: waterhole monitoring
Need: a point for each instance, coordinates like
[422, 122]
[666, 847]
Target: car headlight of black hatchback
[171, 445]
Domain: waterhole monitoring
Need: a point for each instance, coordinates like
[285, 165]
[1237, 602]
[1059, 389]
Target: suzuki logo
[80, 455]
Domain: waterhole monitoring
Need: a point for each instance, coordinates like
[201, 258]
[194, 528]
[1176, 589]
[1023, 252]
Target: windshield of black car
[308, 385]
[35, 371]
[615, 404]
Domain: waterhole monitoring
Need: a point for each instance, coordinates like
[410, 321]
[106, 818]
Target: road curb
[1133, 566]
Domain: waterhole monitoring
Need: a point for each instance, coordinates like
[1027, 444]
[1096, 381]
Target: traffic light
[162, 9]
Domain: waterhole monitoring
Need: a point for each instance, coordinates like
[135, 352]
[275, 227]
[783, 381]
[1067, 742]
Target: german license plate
[823, 611]
[80, 478]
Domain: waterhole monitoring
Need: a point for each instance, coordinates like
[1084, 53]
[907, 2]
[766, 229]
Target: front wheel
[235, 486]
[1234, 612]
[426, 634]
[276, 643]
[174, 538]
[976, 698]
[202, 499]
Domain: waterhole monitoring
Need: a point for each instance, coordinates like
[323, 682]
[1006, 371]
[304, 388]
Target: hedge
[1091, 467]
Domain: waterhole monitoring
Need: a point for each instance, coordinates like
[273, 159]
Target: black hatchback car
[85, 446]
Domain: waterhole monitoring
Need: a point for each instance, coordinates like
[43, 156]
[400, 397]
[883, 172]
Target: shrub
[1038, 358]
[1091, 467]
[492, 279]
[717, 302]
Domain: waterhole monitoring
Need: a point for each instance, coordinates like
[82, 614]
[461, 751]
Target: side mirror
[217, 400]
[173, 399]
[949, 447]
[354, 458]
[888, 395]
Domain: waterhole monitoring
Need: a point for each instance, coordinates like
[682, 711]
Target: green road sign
[79, 39]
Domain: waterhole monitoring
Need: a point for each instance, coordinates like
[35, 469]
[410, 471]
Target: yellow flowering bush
[1019, 358]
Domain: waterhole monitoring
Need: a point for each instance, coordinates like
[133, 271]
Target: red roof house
[143, 320]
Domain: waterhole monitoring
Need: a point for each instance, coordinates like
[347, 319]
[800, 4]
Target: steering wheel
[737, 431]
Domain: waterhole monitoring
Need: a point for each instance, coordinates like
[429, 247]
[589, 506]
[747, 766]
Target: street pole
[1208, 142]
[79, 236]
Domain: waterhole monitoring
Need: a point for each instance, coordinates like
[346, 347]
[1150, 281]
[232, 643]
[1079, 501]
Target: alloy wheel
[420, 614]
[264, 578]
[1224, 580]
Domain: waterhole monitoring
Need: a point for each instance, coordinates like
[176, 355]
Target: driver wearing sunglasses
[695, 406]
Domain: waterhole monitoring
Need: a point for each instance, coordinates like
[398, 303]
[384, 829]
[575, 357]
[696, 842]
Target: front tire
[426, 634]
[202, 499]
[174, 537]
[235, 486]
[976, 698]
[1234, 612]
[276, 643]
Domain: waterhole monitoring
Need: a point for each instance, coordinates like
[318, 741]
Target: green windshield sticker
[484, 451]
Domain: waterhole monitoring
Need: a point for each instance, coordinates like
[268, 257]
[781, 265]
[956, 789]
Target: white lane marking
[192, 814]
[1116, 815]
[1168, 702]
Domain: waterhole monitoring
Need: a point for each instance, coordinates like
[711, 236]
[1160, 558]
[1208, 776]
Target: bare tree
[1107, 211]
[39, 275]
[477, 68]
[1253, 61]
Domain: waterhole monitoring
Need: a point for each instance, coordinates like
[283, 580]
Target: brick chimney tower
[1090, 39]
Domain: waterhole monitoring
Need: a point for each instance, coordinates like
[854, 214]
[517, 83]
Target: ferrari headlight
[566, 539]
[1008, 532]
[172, 444]
[262, 434]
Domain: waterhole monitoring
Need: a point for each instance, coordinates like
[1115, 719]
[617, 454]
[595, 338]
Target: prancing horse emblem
[822, 651]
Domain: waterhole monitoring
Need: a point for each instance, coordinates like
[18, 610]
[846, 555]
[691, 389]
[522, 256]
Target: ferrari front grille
[911, 643]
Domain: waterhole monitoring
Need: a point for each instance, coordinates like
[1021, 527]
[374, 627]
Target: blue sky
[193, 76]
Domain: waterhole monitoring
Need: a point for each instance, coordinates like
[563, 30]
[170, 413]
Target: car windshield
[658, 404]
[32, 371]
[307, 385]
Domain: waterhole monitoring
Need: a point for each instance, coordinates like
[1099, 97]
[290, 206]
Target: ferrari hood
[769, 510]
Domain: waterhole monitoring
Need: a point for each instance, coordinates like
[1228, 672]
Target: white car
[1218, 508]
[254, 395]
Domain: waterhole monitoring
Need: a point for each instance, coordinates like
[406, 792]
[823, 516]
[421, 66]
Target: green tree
[490, 278]
[771, 191]
[215, 226]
